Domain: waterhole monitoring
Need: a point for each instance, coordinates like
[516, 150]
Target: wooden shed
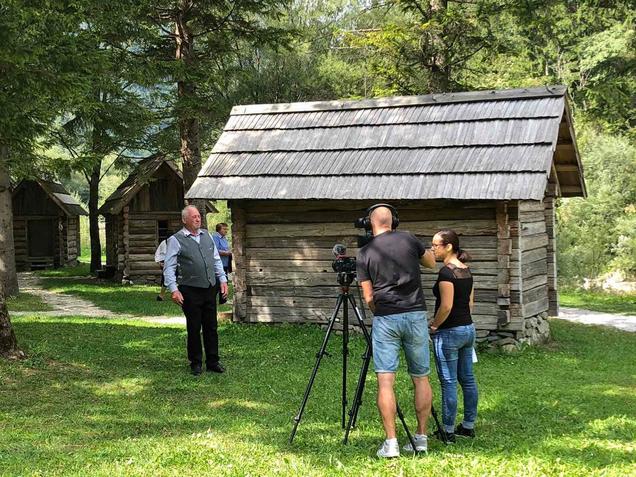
[144, 210]
[46, 227]
[487, 164]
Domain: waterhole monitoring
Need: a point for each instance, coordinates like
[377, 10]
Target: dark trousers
[199, 307]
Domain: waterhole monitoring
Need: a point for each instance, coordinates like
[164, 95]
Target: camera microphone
[339, 250]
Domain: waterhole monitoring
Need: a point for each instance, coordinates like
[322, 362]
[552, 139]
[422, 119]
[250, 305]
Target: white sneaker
[389, 449]
[421, 444]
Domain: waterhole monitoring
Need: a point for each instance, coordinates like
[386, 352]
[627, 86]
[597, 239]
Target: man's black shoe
[196, 369]
[215, 368]
[450, 437]
[462, 431]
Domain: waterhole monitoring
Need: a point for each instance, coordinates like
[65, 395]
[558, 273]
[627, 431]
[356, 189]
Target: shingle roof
[60, 197]
[143, 172]
[476, 145]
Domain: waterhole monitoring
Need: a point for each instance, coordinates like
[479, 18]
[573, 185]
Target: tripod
[343, 301]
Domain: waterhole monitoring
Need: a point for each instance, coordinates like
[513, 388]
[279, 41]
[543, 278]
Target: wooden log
[240, 280]
[530, 206]
[534, 308]
[472, 227]
[532, 228]
[531, 242]
[530, 256]
[539, 267]
[348, 216]
[534, 294]
[267, 205]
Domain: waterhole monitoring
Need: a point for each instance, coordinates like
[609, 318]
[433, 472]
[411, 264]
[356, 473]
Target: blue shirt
[222, 245]
[170, 263]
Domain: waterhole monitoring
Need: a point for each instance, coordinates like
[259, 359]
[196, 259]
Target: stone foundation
[536, 331]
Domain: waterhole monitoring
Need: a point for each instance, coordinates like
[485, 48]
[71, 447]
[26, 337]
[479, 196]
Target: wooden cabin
[487, 164]
[46, 227]
[144, 210]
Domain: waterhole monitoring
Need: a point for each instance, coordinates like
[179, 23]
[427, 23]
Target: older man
[192, 252]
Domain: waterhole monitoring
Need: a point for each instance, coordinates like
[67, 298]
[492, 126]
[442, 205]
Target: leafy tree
[39, 58]
[192, 48]
[111, 119]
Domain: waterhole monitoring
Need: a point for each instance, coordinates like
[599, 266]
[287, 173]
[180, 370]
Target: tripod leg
[365, 363]
[406, 428]
[440, 429]
[319, 356]
[345, 355]
[357, 400]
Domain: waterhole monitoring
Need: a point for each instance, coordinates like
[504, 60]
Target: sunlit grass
[624, 303]
[27, 302]
[136, 300]
[114, 398]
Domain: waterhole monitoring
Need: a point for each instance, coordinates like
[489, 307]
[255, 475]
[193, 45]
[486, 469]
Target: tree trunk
[440, 69]
[8, 275]
[93, 217]
[8, 342]
[189, 127]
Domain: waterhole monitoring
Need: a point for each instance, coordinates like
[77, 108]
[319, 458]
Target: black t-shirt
[462, 280]
[392, 262]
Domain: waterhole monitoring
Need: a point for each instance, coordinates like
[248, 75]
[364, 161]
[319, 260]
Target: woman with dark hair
[453, 333]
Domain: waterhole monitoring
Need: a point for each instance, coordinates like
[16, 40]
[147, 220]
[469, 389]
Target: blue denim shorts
[402, 330]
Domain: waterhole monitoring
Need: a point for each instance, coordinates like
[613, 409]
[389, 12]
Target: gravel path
[622, 322]
[71, 305]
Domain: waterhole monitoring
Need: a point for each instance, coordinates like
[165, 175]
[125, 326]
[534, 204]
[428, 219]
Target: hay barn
[487, 164]
[144, 210]
[46, 228]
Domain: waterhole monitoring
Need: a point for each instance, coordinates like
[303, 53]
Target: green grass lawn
[624, 303]
[114, 398]
[27, 302]
[136, 300]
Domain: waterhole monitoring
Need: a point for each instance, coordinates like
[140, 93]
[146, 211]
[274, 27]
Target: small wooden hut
[487, 164]
[46, 227]
[144, 210]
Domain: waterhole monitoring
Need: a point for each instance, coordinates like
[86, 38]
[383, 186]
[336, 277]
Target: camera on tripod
[344, 266]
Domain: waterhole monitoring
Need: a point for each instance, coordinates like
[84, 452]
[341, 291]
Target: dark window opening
[162, 230]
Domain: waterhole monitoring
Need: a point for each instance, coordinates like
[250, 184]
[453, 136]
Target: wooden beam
[567, 168]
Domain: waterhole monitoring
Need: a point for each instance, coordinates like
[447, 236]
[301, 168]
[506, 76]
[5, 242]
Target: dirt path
[65, 305]
[72, 305]
[62, 304]
[622, 322]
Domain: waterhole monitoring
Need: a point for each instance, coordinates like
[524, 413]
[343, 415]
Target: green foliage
[596, 234]
[114, 397]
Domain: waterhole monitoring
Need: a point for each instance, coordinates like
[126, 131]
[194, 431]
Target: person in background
[160, 256]
[453, 334]
[223, 246]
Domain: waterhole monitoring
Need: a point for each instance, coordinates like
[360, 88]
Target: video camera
[365, 223]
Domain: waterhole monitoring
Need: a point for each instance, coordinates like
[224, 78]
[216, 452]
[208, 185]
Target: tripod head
[344, 266]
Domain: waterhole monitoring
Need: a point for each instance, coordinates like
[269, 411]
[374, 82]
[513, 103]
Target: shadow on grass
[89, 384]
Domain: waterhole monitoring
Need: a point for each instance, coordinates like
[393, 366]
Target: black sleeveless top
[462, 280]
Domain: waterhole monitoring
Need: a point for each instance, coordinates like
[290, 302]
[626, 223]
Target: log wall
[284, 250]
[140, 241]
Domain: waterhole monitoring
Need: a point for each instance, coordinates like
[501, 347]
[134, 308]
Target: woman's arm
[471, 303]
[446, 292]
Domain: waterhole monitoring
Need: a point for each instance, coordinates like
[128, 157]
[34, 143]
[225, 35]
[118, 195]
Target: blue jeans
[408, 331]
[454, 359]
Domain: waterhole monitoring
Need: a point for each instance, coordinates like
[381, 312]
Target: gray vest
[195, 261]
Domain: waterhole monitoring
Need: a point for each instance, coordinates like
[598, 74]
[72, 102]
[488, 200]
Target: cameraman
[388, 270]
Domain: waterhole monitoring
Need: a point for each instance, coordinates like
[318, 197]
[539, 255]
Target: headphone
[395, 222]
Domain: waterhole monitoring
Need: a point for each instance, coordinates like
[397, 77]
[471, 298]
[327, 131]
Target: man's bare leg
[423, 398]
[386, 403]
